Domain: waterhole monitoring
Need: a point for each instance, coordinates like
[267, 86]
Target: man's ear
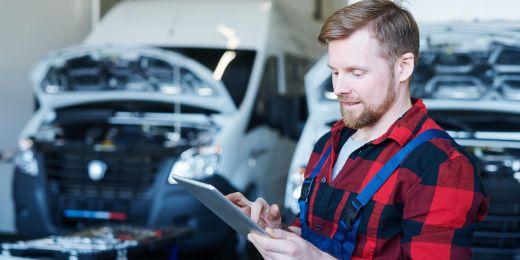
[405, 67]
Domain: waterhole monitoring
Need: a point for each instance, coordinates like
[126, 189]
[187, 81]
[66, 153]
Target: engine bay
[107, 72]
[445, 73]
[109, 126]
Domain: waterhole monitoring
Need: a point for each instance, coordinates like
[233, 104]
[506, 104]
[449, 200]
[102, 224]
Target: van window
[269, 81]
[236, 75]
[295, 69]
[268, 88]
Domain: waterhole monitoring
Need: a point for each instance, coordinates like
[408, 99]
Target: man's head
[373, 47]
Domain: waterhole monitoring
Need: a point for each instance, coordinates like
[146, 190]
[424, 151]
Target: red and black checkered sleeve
[440, 209]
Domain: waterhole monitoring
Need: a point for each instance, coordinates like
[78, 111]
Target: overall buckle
[354, 209]
[306, 190]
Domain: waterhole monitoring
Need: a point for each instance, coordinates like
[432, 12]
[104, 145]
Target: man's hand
[259, 211]
[285, 245]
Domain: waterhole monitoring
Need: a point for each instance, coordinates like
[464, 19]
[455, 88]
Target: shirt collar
[401, 131]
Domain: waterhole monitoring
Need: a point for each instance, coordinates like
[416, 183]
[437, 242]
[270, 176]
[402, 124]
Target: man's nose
[341, 86]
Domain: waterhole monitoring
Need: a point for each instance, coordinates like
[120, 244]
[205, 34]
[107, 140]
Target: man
[423, 202]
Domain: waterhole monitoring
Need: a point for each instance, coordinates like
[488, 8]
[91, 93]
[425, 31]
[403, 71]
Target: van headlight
[25, 160]
[197, 163]
[294, 188]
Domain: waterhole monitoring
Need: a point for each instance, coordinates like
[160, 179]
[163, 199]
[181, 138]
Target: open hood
[98, 73]
[468, 61]
[461, 64]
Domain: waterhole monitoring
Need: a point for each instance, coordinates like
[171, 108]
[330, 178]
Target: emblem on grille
[96, 170]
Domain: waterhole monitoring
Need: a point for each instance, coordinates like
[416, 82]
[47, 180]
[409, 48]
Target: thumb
[278, 233]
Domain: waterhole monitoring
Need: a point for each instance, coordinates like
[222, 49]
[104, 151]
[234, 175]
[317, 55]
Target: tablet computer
[219, 204]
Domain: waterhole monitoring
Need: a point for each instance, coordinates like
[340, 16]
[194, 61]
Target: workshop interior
[101, 100]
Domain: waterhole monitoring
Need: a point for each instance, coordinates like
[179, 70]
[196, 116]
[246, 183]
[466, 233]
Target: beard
[369, 114]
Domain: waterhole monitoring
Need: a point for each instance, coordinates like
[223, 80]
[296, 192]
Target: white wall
[28, 30]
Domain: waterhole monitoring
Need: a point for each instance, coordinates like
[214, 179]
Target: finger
[234, 195]
[263, 223]
[274, 245]
[256, 209]
[246, 211]
[274, 212]
[278, 233]
[263, 202]
[268, 255]
[296, 230]
[251, 238]
[239, 199]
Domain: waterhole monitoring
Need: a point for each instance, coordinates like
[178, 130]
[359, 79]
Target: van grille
[127, 176]
[125, 189]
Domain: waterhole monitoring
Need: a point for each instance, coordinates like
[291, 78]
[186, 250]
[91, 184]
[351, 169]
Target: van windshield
[232, 67]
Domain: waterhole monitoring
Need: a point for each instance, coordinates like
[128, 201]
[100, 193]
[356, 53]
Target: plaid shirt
[425, 209]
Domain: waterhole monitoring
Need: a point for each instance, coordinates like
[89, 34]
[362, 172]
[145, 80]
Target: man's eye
[335, 73]
[357, 73]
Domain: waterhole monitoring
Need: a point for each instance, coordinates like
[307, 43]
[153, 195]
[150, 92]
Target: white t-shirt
[348, 147]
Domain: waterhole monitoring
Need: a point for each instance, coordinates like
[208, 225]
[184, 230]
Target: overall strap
[378, 180]
[308, 185]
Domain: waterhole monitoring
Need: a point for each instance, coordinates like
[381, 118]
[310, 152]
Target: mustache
[345, 99]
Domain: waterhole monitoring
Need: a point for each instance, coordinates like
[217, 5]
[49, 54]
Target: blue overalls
[344, 240]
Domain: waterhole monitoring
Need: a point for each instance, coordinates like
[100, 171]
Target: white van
[193, 86]
[469, 79]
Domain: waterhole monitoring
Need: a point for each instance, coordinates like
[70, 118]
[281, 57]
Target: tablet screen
[219, 204]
